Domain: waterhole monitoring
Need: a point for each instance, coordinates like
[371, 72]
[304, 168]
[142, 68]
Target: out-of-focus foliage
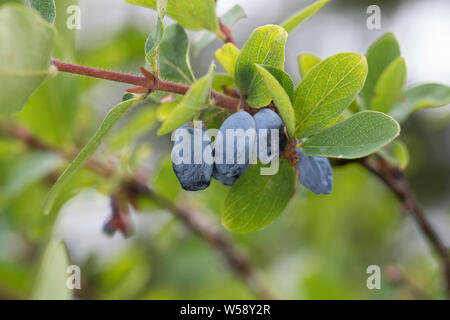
[51, 279]
[320, 247]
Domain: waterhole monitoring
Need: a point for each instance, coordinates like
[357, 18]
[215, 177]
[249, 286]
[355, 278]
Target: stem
[227, 33]
[221, 100]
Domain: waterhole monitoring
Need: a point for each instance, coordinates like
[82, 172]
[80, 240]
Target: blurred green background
[319, 248]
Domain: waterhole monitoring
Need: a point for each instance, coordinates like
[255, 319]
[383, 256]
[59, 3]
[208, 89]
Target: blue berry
[315, 173]
[228, 173]
[192, 176]
[268, 119]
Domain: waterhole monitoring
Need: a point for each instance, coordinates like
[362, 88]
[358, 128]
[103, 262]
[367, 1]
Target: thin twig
[227, 33]
[149, 82]
[196, 221]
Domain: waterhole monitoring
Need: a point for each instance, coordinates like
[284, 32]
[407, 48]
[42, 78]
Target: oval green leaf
[358, 136]
[280, 98]
[379, 56]
[326, 91]
[429, 95]
[306, 62]
[284, 79]
[53, 119]
[255, 200]
[25, 51]
[173, 56]
[390, 86]
[227, 56]
[265, 46]
[192, 14]
[46, 8]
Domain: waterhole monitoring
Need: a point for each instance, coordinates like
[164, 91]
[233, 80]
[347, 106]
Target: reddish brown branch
[149, 82]
[227, 33]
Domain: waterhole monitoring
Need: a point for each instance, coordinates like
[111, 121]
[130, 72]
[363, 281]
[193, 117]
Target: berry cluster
[195, 174]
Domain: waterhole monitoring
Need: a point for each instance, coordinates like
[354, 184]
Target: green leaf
[173, 56]
[51, 281]
[284, 79]
[255, 200]
[165, 109]
[265, 46]
[108, 123]
[136, 126]
[358, 136]
[51, 112]
[390, 86]
[396, 153]
[280, 98]
[326, 91]
[26, 45]
[294, 21]
[30, 167]
[229, 18]
[197, 97]
[192, 14]
[306, 62]
[227, 56]
[379, 56]
[221, 80]
[153, 40]
[429, 95]
[65, 37]
[45, 7]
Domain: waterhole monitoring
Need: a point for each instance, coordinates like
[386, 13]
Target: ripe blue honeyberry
[315, 173]
[193, 170]
[268, 119]
[240, 127]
